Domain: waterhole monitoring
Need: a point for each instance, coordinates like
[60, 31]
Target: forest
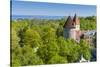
[41, 41]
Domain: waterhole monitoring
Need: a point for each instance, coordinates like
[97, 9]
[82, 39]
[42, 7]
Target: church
[72, 31]
[72, 28]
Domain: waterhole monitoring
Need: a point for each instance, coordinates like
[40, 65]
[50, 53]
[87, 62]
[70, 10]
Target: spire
[76, 19]
[71, 22]
[75, 16]
[68, 22]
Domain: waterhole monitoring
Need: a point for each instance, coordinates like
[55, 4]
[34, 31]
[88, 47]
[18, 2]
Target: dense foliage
[41, 41]
[88, 23]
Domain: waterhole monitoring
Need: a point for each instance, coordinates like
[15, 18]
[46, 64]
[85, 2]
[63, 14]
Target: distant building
[72, 28]
[88, 36]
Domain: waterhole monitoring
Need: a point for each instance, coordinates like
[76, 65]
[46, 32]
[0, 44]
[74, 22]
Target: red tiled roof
[71, 22]
[68, 22]
[76, 19]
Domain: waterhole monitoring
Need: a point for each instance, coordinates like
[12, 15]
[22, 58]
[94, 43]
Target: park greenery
[41, 41]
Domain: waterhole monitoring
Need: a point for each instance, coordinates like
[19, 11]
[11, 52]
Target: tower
[72, 28]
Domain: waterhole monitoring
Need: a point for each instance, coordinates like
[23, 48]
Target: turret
[72, 28]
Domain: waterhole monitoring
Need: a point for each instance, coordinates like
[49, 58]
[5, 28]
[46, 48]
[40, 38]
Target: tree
[69, 49]
[14, 40]
[88, 23]
[59, 31]
[15, 61]
[85, 49]
[41, 41]
[49, 34]
[32, 38]
[47, 51]
[29, 57]
[57, 59]
[74, 51]
[63, 46]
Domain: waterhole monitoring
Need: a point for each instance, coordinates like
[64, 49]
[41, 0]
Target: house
[72, 28]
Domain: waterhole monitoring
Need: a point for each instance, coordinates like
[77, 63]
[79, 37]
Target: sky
[51, 9]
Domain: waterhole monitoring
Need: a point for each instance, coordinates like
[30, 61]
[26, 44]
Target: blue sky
[51, 9]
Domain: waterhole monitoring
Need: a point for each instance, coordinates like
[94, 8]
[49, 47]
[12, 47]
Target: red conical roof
[68, 22]
[72, 22]
[76, 19]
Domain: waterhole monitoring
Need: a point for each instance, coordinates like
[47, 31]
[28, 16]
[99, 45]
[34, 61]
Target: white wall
[77, 27]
